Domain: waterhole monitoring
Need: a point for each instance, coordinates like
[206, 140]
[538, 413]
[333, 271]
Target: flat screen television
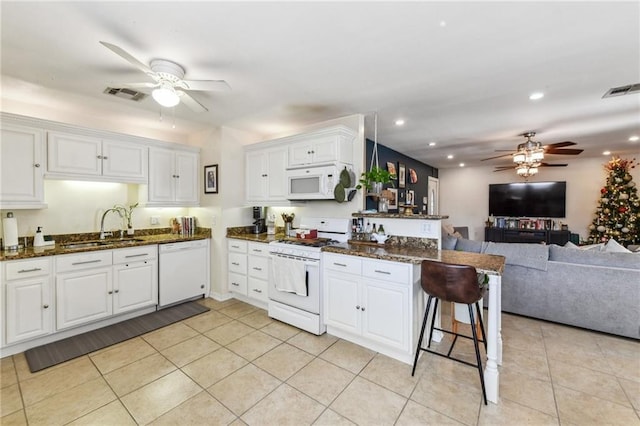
[528, 199]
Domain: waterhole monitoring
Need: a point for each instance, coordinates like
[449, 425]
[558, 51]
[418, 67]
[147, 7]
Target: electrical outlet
[155, 220]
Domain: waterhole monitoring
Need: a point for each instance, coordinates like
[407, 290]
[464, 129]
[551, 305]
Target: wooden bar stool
[452, 283]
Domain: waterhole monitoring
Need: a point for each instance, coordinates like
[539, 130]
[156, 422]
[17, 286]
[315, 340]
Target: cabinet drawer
[386, 271]
[259, 267]
[237, 246]
[27, 268]
[348, 264]
[237, 263]
[135, 254]
[72, 262]
[258, 249]
[238, 283]
[257, 289]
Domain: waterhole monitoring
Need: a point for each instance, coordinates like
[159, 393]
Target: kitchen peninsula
[388, 277]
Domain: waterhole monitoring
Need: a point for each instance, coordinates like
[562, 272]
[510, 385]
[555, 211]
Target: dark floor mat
[54, 353]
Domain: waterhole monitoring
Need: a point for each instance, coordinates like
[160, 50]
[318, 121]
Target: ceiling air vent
[622, 90]
[124, 93]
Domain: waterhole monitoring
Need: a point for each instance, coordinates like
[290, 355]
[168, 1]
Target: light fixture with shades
[166, 95]
[526, 171]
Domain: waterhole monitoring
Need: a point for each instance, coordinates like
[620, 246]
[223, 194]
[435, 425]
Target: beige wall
[464, 192]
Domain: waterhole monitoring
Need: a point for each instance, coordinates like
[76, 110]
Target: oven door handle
[306, 279]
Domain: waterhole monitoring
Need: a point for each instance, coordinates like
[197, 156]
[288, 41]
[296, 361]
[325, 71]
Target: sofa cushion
[593, 257]
[469, 245]
[613, 246]
[569, 244]
[449, 242]
[521, 254]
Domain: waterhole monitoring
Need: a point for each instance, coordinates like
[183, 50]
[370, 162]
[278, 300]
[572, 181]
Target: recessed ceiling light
[461, 164]
[443, 23]
[432, 144]
[606, 152]
[634, 138]
[536, 95]
[399, 122]
[450, 156]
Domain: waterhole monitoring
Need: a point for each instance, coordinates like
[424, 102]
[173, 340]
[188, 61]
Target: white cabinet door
[135, 285]
[124, 160]
[276, 177]
[385, 308]
[257, 289]
[21, 167]
[300, 154]
[186, 178]
[342, 301]
[256, 176]
[74, 154]
[83, 296]
[28, 308]
[324, 150]
[173, 177]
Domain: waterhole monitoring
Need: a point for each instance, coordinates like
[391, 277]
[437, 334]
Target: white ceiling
[459, 73]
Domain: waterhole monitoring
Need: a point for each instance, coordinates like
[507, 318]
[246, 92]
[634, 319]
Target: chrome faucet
[102, 233]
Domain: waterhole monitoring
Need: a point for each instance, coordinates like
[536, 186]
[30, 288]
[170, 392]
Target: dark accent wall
[423, 171]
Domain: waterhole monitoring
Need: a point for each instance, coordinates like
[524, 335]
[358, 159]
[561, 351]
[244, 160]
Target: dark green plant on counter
[375, 175]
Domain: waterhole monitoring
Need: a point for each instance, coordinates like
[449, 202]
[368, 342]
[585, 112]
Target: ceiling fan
[554, 148]
[169, 86]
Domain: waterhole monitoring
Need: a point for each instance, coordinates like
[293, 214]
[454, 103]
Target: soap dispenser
[38, 240]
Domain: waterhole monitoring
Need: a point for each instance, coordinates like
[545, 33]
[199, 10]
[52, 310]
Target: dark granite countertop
[485, 262]
[256, 238]
[112, 243]
[400, 216]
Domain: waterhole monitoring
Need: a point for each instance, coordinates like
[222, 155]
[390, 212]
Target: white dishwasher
[183, 271]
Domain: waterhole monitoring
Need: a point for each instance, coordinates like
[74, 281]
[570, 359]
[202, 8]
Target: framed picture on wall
[391, 168]
[211, 179]
[411, 195]
[402, 175]
[393, 199]
[413, 176]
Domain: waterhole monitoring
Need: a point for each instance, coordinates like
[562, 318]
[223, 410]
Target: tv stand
[503, 235]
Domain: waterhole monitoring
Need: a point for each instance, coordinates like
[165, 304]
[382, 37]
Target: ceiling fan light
[166, 96]
[537, 155]
[526, 171]
[519, 158]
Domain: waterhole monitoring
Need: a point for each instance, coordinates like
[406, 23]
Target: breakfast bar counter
[492, 265]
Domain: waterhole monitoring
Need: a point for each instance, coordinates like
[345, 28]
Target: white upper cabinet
[72, 156]
[265, 175]
[21, 167]
[327, 146]
[173, 177]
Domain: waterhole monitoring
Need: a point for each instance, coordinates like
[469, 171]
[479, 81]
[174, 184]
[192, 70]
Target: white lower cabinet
[135, 278]
[372, 303]
[248, 268]
[84, 288]
[29, 311]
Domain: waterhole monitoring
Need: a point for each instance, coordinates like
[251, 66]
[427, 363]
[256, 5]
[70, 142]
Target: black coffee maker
[259, 219]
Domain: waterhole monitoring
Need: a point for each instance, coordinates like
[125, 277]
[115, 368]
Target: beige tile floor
[235, 365]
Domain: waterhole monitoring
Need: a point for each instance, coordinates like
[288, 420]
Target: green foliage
[376, 174]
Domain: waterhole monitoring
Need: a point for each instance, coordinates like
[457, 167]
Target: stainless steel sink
[84, 244]
[127, 241]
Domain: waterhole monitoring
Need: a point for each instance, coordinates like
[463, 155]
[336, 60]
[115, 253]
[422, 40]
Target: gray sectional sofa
[583, 288]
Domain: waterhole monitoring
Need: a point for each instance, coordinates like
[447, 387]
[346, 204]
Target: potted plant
[127, 214]
[374, 179]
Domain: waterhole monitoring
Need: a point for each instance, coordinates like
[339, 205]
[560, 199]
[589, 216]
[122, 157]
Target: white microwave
[312, 183]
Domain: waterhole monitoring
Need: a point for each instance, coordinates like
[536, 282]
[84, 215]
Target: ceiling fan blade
[129, 58]
[503, 169]
[559, 144]
[563, 151]
[552, 165]
[190, 102]
[148, 85]
[207, 85]
[497, 156]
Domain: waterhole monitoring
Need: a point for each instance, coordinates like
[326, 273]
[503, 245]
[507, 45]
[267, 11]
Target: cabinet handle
[235, 263]
[22, 271]
[312, 151]
[257, 269]
[116, 291]
[358, 307]
[99, 157]
[257, 250]
[382, 272]
[362, 309]
[87, 261]
[135, 255]
[177, 176]
[202, 286]
[257, 291]
[236, 284]
[46, 306]
[104, 157]
[340, 264]
[235, 247]
[36, 165]
[110, 292]
[308, 152]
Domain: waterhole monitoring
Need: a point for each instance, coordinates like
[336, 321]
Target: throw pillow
[571, 245]
[449, 242]
[613, 246]
[469, 245]
[596, 247]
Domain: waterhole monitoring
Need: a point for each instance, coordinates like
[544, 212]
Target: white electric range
[295, 282]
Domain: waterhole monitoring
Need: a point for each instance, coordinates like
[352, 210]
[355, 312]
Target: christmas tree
[618, 207]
